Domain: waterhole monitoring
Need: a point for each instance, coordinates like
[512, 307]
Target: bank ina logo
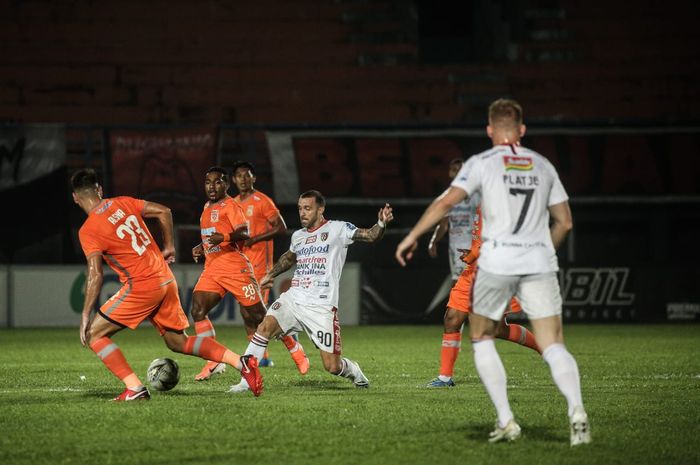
[518, 163]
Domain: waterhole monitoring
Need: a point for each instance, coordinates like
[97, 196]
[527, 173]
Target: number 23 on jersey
[131, 229]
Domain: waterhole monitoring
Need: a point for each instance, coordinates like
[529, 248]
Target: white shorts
[320, 322]
[538, 294]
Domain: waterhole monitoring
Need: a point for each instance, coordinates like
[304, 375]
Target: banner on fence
[60, 301]
[165, 166]
[28, 152]
[413, 163]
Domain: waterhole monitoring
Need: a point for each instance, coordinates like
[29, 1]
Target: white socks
[349, 369]
[565, 374]
[493, 375]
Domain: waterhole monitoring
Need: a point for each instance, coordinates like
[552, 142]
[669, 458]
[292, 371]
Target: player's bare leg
[99, 340]
[550, 337]
[341, 366]
[493, 375]
[202, 303]
[208, 348]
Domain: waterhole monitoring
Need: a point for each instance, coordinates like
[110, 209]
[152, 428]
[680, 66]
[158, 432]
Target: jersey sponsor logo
[214, 217]
[322, 284]
[312, 249]
[104, 207]
[518, 163]
[311, 266]
[249, 210]
[350, 226]
[310, 239]
[324, 236]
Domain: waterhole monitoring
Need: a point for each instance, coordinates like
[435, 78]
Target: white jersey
[320, 258]
[517, 186]
[461, 221]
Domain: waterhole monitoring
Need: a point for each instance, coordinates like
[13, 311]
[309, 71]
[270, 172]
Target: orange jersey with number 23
[116, 230]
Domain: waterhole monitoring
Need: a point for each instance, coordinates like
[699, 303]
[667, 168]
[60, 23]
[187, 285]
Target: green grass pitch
[641, 386]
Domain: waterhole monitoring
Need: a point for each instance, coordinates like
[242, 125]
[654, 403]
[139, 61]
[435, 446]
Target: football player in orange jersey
[224, 228]
[265, 222]
[116, 232]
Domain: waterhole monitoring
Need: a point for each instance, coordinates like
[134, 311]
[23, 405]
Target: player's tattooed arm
[285, 262]
[372, 234]
[376, 232]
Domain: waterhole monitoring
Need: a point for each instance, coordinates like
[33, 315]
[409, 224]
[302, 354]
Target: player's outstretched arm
[376, 232]
[562, 222]
[93, 286]
[285, 262]
[165, 220]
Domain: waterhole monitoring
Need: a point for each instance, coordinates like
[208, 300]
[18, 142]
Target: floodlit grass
[641, 386]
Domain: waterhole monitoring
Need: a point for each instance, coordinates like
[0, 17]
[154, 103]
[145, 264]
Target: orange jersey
[222, 217]
[116, 230]
[476, 239]
[260, 211]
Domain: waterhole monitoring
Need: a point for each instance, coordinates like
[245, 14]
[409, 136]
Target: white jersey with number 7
[517, 186]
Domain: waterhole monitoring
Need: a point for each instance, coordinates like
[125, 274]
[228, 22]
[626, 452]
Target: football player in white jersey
[521, 195]
[318, 250]
[458, 223]
[465, 243]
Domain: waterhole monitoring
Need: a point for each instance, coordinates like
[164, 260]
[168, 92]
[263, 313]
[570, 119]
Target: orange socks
[114, 360]
[204, 347]
[204, 328]
[521, 335]
[451, 342]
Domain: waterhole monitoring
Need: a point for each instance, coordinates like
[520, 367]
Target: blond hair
[505, 113]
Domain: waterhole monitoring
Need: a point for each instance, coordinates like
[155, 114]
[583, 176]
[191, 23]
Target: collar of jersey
[317, 227]
[223, 199]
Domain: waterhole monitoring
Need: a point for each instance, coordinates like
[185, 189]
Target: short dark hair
[320, 199]
[218, 169]
[84, 179]
[243, 164]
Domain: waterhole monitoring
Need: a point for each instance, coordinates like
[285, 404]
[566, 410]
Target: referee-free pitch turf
[641, 387]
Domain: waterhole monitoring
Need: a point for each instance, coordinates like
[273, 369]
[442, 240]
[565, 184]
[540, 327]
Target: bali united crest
[324, 236]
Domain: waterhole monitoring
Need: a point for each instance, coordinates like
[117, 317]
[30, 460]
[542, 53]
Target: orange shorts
[129, 307]
[238, 283]
[461, 293]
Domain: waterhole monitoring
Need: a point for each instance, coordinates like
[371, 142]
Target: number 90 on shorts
[319, 322]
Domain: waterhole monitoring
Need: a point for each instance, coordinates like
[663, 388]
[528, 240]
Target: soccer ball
[163, 374]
